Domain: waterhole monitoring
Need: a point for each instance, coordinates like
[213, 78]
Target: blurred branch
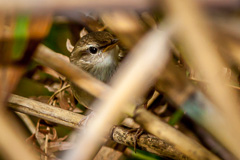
[15, 54]
[28, 122]
[126, 25]
[175, 84]
[25, 118]
[234, 48]
[162, 130]
[203, 81]
[204, 57]
[89, 22]
[108, 153]
[12, 144]
[227, 24]
[36, 6]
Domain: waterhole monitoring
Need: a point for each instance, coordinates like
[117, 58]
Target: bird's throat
[104, 70]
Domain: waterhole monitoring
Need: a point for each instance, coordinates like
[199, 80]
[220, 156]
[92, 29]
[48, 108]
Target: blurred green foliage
[176, 117]
[56, 39]
[28, 87]
[20, 36]
[142, 155]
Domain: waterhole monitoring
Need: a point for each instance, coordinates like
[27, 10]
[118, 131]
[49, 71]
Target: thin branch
[147, 142]
[44, 111]
[57, 92]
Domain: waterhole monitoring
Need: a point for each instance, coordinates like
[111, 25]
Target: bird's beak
[112, 45]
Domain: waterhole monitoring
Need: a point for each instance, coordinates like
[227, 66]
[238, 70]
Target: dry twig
[147, 142]
[44, 111]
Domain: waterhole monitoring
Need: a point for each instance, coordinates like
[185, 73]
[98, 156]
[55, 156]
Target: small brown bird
[98, 54]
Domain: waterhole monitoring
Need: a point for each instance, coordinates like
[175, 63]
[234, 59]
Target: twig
[45, 111]
[147, 142]
[58, 91]
[46, 145]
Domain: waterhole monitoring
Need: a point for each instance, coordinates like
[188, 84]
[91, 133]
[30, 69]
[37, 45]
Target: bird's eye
[93, 50]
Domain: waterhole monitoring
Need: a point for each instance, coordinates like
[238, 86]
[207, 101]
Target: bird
[98, 54]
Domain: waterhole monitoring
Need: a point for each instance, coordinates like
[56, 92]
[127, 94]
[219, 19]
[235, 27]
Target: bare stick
[147, 142]
[45, 111]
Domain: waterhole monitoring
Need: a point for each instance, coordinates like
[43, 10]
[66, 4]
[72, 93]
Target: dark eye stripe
[112, 42]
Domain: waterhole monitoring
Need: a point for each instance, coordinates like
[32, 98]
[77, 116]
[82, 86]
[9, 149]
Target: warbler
[98, 54]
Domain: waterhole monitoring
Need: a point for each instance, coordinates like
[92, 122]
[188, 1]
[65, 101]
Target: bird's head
[96, 49]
